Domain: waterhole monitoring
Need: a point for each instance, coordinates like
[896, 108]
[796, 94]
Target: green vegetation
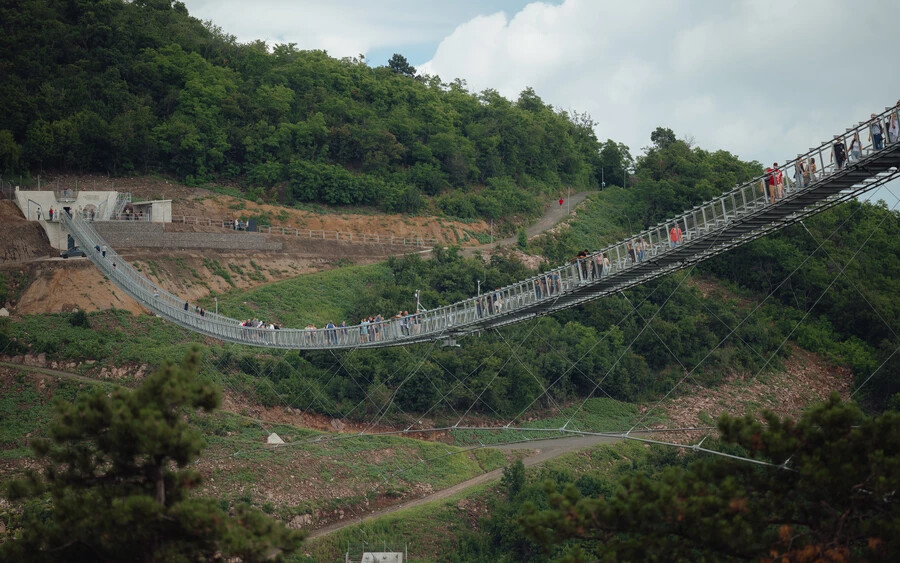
[115, 337]
[27, 411]
[239, 470]
[633, 502]
[522, 239]
[216, 268]
[853, 322]
[115, 483]
[593, 415]
[480, 524]
[835, 500]
[12, 284]
[317, 298]
[120, 87]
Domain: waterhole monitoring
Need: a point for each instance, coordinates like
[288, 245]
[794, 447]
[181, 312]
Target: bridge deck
[734, 218]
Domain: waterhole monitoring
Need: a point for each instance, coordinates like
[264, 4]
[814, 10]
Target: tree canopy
[829, 495]
[118, 477]
[124, 87]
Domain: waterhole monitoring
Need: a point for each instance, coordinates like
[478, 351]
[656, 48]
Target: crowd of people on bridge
[845, 150]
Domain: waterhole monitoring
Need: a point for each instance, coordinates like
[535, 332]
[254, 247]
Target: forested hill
[136, 87]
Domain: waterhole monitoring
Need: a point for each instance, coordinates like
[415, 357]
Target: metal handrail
[557, 288]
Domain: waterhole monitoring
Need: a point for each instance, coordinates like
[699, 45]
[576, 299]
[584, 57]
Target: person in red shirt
[779, 182]
[675, 236]
[561, 200]
[770, 183]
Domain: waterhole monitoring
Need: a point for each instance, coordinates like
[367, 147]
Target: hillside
[326, 487]
[120, 87]
[23, 240]
[47, 284]
[139, 96]
[220, 203]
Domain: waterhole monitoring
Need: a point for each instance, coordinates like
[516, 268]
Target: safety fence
[705, 222]
[312, 234]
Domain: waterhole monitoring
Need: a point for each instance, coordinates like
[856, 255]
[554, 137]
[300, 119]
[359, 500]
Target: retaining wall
[139, 234]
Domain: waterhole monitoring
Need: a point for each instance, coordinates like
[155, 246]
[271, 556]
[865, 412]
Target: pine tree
[117, 480]
[830, 495]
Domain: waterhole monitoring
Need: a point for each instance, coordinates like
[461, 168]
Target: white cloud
[345, 28]
[762, 78]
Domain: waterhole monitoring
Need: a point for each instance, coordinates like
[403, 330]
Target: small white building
[45, 206]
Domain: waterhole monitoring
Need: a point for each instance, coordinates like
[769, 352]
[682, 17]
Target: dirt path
[543, 450]
[555, 213]
[546, 450]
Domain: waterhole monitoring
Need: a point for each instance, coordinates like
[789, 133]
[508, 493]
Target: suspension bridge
[736, 217]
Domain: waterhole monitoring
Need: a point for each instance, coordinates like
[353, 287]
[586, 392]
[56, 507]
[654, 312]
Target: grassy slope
[26, 409]
[433, 530]
[239, 467]
[599, 414]
[315, 298]
[115, 336]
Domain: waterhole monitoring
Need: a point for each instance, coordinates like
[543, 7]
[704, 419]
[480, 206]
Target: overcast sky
[764, 79]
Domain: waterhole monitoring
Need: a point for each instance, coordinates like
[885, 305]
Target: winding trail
[547, 450]
[552, 217]
[543, 450]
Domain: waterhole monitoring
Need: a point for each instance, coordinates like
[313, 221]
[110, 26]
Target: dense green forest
[835, 503]
[137, 87]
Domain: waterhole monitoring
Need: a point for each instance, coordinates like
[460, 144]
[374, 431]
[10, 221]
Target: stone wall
[139, 234]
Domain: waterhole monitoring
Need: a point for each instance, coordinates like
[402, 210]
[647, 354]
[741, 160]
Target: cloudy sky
[764, 79]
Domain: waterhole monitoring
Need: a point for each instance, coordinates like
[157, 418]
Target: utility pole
[217, 305]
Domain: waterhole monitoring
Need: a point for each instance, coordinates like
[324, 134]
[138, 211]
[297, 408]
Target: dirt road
[543, 450]
[555, 213]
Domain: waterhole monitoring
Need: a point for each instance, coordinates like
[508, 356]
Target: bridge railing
[693, 225]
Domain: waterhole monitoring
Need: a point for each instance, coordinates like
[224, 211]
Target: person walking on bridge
[855, 148]
[770, 183]
[675, 236]
[801, 176]
[876, 134]
[893, 128]
[779, 182]
[838, 152]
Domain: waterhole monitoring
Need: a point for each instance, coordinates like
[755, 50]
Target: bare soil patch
[205, 203]
[22, 240]
[806, 378]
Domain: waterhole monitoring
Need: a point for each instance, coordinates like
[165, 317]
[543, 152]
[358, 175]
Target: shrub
[79, 319]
